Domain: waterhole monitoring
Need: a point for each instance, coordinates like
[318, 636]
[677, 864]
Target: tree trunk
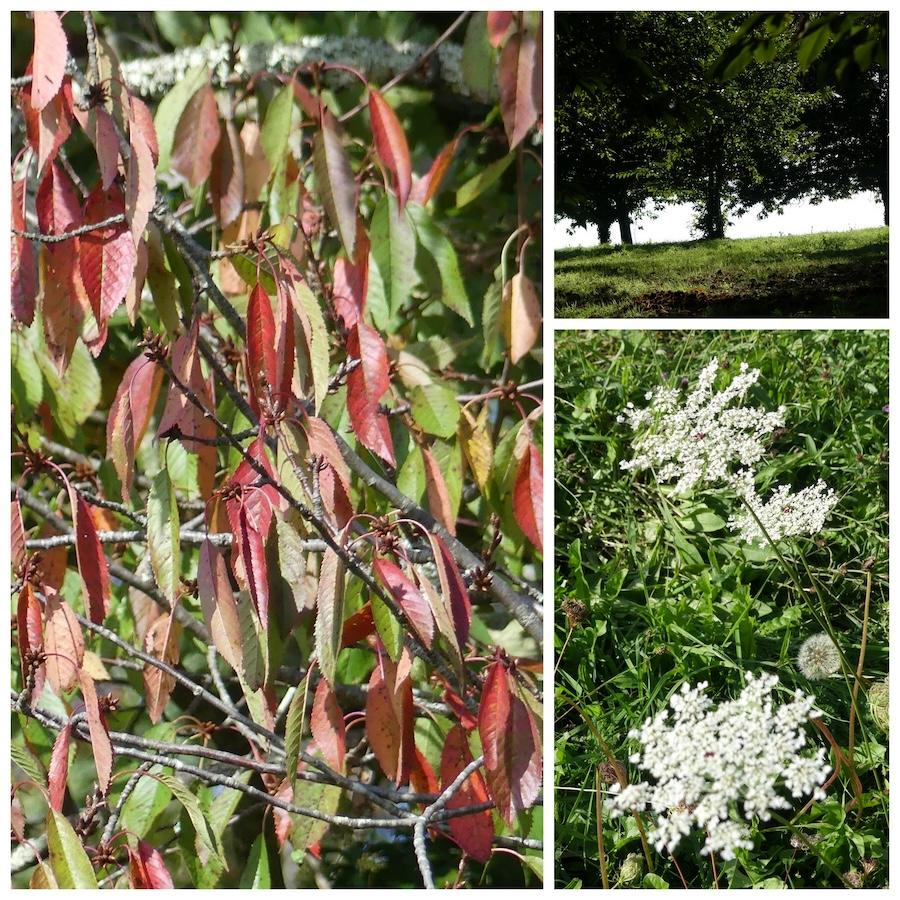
[624, 221]
[714, 221]
[883, 190]
[603, 232]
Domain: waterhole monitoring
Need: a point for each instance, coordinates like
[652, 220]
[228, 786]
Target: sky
[673, 222]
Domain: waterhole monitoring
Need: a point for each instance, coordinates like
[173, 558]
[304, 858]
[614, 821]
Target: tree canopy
[720, 110]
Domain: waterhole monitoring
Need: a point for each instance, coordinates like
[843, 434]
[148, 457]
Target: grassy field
[669, 595]
[828, 274]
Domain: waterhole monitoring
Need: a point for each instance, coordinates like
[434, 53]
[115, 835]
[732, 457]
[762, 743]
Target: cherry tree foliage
[276, 508]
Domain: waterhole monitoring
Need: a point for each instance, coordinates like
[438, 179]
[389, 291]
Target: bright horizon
[673, 222]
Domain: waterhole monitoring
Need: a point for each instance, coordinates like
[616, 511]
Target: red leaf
[57, 203]
[422, 778]
[49, 128]
[389, 717]
[51, 52]
[141, 122]
[427, 186]
[18, 551]
[408, 597]
[366, 385]
[92, 564]
[58, 773]
[101, 746]
[140, 185]
[129, 416]
[23, 260]
[252, 543]
[226, 184]
[351, 281]
[528, 496]
[510, 742]
[497, 25]
[460, 710]
[147, 869]
[453, 589]
[473, 833]
[358, 627]
[180, 414]
[30, 637]
[107, 256]
[60, 307]
[334, 180]
[327, 726]
[519, 77]
[262, 371]
[334, 479]
[63, 642]
[102, 131]
[219, 607]
[438, 495]
[196, 137]
[390, 144]
[161, 641]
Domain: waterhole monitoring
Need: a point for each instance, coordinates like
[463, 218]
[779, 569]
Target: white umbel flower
[703, 437]
[714, 769]
[818, 657]
[784, 514]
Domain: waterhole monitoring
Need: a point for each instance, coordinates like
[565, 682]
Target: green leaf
[27, 381]
[206, 842]
[490, 323]
[650, 880]
[170, 109]
[435, 409]
[163, 540]
[312, 358]
[276, 127]
[28, 763]
[478, 58]
[305, 831]
[388, 626]
[394, 253]
[72, 398]
[483, 180]
[436, 244]
[293, 727]
[68, 859]
[255, 876]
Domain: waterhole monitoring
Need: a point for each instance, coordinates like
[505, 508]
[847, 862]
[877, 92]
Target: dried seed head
[879, 704]
[818, 657]
[575, 612]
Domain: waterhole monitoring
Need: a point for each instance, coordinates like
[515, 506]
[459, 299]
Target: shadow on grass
[816, 275]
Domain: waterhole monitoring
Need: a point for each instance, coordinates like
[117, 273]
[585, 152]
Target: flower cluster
[713, 766]
[710, 437]
[701, 438]
[784, 514]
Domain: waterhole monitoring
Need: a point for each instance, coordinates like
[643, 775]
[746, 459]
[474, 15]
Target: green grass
[829, 274]
[671, 595]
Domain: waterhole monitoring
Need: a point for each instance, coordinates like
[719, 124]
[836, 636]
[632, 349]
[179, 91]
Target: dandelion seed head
[818, 658]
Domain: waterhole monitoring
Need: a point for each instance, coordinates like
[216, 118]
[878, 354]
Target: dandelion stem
[601, 853]
[854, 697]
